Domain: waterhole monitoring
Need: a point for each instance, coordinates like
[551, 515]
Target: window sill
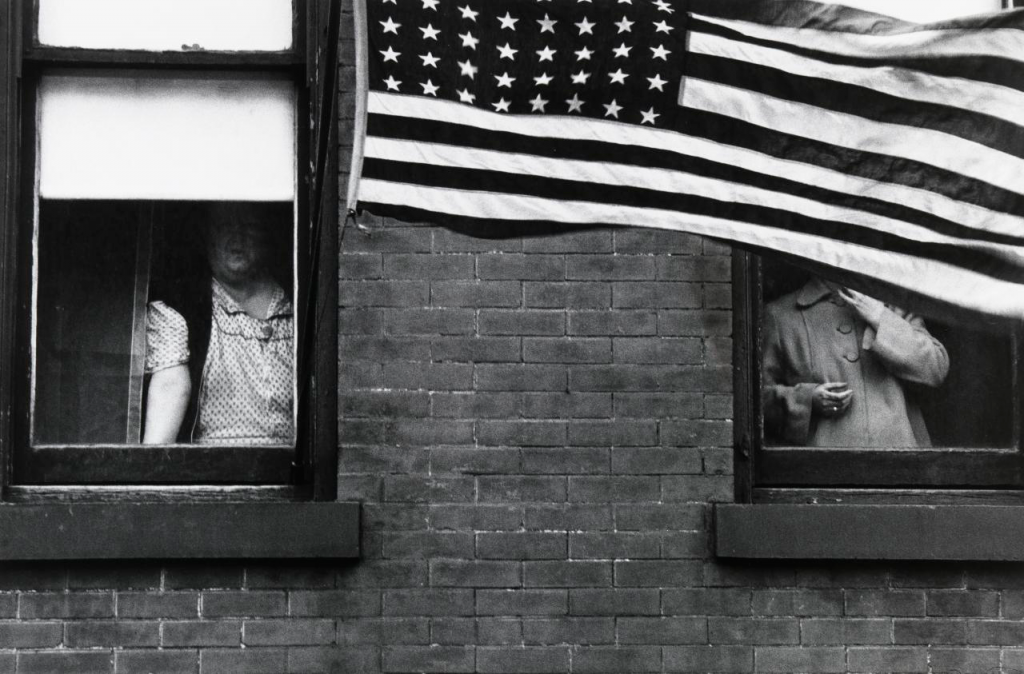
[285, 530]
[907, 532]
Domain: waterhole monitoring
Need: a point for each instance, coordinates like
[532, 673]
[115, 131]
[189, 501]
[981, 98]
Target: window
[168, 165]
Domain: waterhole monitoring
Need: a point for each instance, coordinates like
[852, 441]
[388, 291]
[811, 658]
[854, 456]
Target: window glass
[924, 12]
[167, 25]
[176, 136]
[833, 376]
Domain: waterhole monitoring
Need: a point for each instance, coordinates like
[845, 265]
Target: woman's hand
[831, 399]
[867, 307]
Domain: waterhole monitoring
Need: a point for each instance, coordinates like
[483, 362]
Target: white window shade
[925, 11]
[172, 137]
[167, 25]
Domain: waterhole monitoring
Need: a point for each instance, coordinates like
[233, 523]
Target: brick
[521, 433]
[428, 544]
[568, 240]
[381, 631]
[573, 631]
[698, 488]
[565, 460]
[79, 662]
[878, 660]
[521, 545]
[575, 516]
[718, 350]
[694, 268]
[620, 432]
[521, 323]
[374, 573]
[474, 573]
[960, 659]
[567, 350]
[453, 631]
[718, 407]
[428, 489]
[122, 575]
[61, 605]
[668, 350]
[654, 516]
[477, 405]
[477, 349]
[385, 404]
[202, 633]
[361, 374]
[474, 460]
[617, 378]
[158, 604]
[498, 632]
[818, 603]
[566, 405]
[523, 660]
[649, 573]
[694, 323]
[790, 660]
[203, 576]
[33, 577]
[8, 605]
[659, 295]
[567, 574]
[965, 603]
[709, 659]
[778, 631]
[359, 266]
[613, 602]
[430, 376]
[548, 295]
[509, 377]
[663, 631]
[616, 659]
[1012, 604]
[475, 294]
[995, 632]
[360, 322]
[707, 602]
[885, 603]
[374, 458]
[717, 296]
[521, 488]
[429, 321]
[383, 293]
[521, 267]
[849, 631]
[655, 460]
[616, 489]
[31, 634]
[333, 659]
[121, 633]
[668, 405]
[685, 544]
[613, 545]
[250, 661]
[931, 631]
[288, 632]
[646, 241]
[609, 268]
[426, 432]
[612, 323]
[521, 602]
[415, 266]
[696, 433]
[503, 239]
[390, 240]
[152, 661]
[433, 602]
[478, 517]
[721, 574]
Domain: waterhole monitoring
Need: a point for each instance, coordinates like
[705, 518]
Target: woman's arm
[169, 391]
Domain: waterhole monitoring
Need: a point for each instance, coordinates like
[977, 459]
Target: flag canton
[618, 60]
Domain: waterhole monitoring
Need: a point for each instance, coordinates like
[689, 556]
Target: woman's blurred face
[237, 250]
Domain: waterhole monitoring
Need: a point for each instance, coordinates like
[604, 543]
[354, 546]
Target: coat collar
[812, 292]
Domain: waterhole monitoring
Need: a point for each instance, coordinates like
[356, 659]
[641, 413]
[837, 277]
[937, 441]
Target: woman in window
[836, 367]
[221, 355]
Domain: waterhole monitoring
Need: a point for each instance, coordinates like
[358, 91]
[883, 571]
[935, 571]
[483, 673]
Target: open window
[149, 153]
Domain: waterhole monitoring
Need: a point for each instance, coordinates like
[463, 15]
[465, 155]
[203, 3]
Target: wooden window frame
[206, 489]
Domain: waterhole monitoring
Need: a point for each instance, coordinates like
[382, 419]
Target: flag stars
[664, 7]
[618, 77]
[538, 104]
[504, 80]
[392, 83]
[575, 104]
[501, 105]
[390, 26]
[622, 51]
[625, 25]
[468, 40]
[467, 69]
[430, 4]
[429, 60]
[662, 27]
[391, 55]
[649, 116]
[584, 54]
[507, 52]
[508, 22]
[543, 80]
[546, 54]
[468, 13]
[586, 26]
[657, 83]
[660, 52]
[612, 109]
[547, 24]
[465, 96]
[580, 77]
[430, 33]
[429, 88]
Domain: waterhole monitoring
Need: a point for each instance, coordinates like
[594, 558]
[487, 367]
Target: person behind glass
[836, 363]
[220, 356]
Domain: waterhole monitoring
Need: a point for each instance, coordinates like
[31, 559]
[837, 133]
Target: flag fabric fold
[885, 151]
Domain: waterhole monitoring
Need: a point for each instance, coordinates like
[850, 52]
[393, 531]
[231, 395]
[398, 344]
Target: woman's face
[237, 250]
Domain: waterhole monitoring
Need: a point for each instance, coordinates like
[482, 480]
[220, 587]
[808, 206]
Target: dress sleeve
[787, 406]
[908, 350]
[166, 338]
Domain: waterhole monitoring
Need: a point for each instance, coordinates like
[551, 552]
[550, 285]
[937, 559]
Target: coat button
[845, 328]
[852, 357]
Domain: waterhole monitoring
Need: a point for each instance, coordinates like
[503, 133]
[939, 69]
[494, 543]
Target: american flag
[865, 145]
